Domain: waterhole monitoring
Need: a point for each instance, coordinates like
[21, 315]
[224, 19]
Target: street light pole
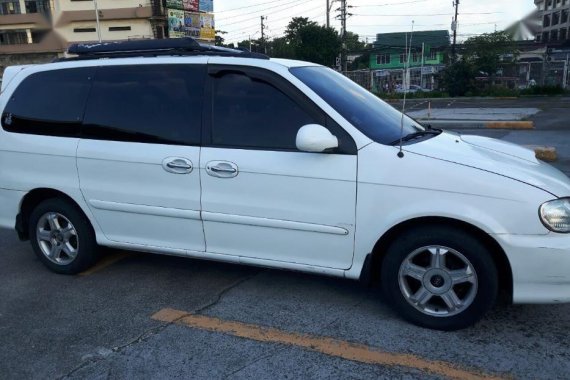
[97, 20]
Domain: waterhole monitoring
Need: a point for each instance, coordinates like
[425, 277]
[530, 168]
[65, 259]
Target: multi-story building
[428, 52]
[555, 17]
[34, 31]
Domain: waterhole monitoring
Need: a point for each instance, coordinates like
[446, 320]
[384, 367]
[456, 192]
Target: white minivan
[181, 149]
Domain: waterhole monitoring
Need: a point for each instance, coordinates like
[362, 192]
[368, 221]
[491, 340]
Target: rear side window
[252, 113]
[49, 103]
[160, 104]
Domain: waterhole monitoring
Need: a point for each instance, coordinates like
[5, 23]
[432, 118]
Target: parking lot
[137, 315]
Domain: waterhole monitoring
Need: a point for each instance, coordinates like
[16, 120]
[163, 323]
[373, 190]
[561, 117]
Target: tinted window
[252, 113]
[146, 103]
[373, 117]
[49, 103]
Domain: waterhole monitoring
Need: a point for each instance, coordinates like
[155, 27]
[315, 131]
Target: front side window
[159, 104]
[364, 110]
[252, 113]
[49, 103]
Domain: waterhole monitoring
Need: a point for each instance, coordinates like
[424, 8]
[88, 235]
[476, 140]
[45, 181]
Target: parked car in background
[411, 90]
[177, 148]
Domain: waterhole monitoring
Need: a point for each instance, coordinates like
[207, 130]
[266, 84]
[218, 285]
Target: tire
[439, 277]
[62, 237]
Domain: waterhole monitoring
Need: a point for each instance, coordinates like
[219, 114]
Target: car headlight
[555, 215]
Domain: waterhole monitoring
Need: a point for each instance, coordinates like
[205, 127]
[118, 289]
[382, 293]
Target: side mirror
[315, 138]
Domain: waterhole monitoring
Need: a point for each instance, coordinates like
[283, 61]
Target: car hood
[495, 156]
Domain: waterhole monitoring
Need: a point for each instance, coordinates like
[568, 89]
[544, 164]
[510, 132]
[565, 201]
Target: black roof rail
[151, 48]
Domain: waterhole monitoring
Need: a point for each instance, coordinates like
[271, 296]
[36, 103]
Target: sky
[242, 19]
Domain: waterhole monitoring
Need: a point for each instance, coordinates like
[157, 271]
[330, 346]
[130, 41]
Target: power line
[262, 10]
[424, 15]
[247, 7]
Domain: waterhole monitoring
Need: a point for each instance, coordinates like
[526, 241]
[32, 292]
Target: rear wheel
[440, 277]
[62, 237]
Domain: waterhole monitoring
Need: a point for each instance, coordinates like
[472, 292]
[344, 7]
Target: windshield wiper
[416, 135]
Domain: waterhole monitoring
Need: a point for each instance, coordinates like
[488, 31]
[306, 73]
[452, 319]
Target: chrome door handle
[174, 165]
[177, 165]
[222, 169]
[217, 169]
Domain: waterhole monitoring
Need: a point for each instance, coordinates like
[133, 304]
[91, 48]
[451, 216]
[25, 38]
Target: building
[555, 16]
[35, 31]
[389, 58]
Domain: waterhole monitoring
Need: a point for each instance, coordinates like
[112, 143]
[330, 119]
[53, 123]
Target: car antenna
[406, 86]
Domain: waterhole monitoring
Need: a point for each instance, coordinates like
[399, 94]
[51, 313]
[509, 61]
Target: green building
[389, 57]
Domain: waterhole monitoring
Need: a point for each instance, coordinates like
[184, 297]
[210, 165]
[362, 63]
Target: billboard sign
[174, 4]
[175, 23]
[192, 24]
[191, 5]
[206, 6]
[207, 27]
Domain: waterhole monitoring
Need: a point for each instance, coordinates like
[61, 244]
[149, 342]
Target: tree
[318, 44]
[490, 51]
[353, 43]
[219, 39]
[459, 78]
[295, 25]
[282, 48]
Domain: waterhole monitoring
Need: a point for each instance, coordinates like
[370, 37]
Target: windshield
[372, 116]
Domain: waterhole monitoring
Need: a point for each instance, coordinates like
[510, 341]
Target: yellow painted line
[328, 346]
[106, 262]
[510, 125]
[544, 153]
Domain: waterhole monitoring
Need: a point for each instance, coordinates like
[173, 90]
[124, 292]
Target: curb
[544, 153]
[478, 124]
[510, 125]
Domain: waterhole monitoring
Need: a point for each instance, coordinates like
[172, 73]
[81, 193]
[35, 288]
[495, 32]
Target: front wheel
[440, 277]
[62, 237]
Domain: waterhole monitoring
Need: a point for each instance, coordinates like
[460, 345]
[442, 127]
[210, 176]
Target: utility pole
[97, 20]
[343, 16]
[263, 18]
[328, 13]
[453, 52]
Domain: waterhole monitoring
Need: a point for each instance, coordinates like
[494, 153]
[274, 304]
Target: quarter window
[49, 103]
[252, 113]
[159, 104]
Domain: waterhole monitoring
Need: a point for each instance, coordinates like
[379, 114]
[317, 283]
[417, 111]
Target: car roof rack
[186, 46]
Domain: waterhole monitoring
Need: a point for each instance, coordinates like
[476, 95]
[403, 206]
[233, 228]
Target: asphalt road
[101, 325]
[144, 316]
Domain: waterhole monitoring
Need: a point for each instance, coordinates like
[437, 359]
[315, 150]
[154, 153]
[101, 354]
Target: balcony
[15, 42]
[67, 17]
[36, 20]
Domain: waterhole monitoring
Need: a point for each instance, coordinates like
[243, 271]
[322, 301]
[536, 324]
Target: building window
[383, 59]
[9, 7]
[538, 37]
[546, 21]
[39, 6]
[554, 35]
[415, 57]
[13, 37]
[119, 28]
[403, 58]
[563, 34]
[555, 18]
[564, 16]
[84, 30]
[432, 55]
[548, 4]
[545, 37]
[557, 3]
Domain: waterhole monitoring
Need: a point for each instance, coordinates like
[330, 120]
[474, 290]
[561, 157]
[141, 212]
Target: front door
[261, 197]
[139, 154]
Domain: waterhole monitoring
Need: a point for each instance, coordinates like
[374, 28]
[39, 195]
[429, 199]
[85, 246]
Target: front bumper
[540, 266]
